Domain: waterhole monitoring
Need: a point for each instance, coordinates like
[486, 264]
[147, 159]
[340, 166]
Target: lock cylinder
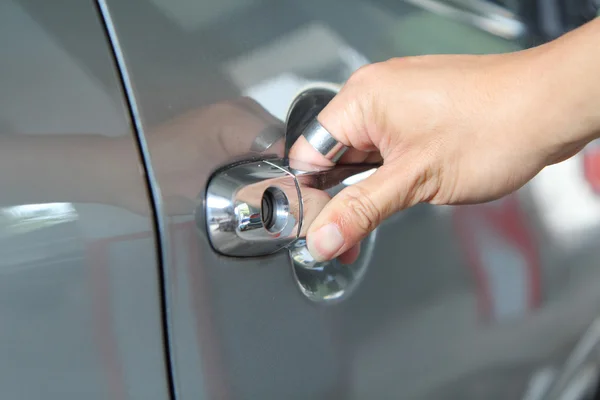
[275, 209]
[252, 209]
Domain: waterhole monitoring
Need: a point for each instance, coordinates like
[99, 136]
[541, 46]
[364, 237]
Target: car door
[485, 301]
[80, 299]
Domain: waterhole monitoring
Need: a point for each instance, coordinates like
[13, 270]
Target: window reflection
[26, 218]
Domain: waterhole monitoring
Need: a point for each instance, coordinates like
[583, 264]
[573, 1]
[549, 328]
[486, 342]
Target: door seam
[160, 237]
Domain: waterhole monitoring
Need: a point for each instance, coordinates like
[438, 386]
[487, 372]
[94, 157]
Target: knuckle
[366, 74]
[359, 76]
[364, 105]
[359, 210]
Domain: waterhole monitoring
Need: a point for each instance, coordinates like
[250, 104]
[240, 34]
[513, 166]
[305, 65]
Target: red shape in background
[507, 219]
[591, 167]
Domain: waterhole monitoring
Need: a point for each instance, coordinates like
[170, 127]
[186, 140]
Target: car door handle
[257, 208]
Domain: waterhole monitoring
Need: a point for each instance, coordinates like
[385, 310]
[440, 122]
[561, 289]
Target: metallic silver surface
[234, 209]
[318, 184]
[323, 142]
[330, 281]
[269, 137]
[453, 302]
[80, 293]
[304, 107]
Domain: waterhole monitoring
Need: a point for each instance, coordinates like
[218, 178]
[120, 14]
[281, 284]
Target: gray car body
[102, 301]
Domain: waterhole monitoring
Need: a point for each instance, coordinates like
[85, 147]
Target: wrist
[568, 81]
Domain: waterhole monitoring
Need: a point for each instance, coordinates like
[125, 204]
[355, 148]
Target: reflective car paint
[418, 325]
[79, 294]
[495, 301]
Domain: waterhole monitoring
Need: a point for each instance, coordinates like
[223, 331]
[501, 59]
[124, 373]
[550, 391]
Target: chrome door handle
[240, 214]
[259, 207]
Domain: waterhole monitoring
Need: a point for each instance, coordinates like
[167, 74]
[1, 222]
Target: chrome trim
[322, 141]
[234, 209]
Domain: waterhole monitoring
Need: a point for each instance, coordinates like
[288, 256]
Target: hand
[451, 129]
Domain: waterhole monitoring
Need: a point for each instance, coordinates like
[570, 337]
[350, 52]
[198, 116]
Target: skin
[454, 129]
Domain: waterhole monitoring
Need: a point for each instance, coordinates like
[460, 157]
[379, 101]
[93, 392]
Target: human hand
[451, 129]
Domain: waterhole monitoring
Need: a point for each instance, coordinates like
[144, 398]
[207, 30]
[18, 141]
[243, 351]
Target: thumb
[357, 210]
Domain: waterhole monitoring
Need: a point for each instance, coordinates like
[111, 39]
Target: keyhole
[274, 210]
[267, 211]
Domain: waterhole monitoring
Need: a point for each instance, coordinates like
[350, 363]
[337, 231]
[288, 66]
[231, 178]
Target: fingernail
[325, 242]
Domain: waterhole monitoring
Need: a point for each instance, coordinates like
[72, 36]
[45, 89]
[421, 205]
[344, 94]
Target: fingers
[303, 151]
[357, 210]
[313, 201]
[346, 118]
[354, 213]
[354, 115]
[351, 255]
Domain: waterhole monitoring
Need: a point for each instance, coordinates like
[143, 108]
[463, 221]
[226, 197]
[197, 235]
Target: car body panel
[80, 294]
[493, 301]
[438, 315]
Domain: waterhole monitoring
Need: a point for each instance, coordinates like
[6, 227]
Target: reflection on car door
[79, 288]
